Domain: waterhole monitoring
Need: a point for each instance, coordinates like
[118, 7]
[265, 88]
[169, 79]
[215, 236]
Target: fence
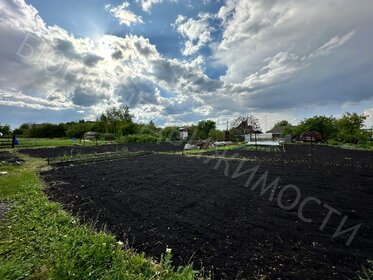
[6, 142]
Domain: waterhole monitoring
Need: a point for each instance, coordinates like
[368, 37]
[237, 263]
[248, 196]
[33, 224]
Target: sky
[178, 62]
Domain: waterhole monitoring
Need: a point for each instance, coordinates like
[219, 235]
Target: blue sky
[177, 62]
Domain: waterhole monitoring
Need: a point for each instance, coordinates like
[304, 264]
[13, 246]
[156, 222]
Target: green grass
[366, 271]
[222, 148]
[38, 240]
[55, 142]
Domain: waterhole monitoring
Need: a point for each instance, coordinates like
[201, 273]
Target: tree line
[118, 123]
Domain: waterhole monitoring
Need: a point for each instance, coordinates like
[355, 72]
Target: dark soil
[189, 205]
[7, 157]
[317, 154]
[74, 150]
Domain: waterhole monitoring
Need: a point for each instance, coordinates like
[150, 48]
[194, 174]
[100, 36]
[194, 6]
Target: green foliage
[350, 128]
[204, 128]
[170, 133]
[5, 129]
[366, 271]
[234, 134]
[147, 129]
[216, 135]
[346, 129]
[78, 130]
[139, 138]
[282, 123]
[325, 125]
[127, 128]
[47, 130]
[113, 120]
[23, 130]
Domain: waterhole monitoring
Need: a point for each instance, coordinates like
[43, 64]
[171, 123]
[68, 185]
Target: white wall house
[183, 132]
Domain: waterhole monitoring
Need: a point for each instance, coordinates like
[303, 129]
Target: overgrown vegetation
[346, 129]
[38, 240]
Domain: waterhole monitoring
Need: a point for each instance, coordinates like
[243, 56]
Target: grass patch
[222, 148]
[56, 142]
[367, 271]
[38, 240]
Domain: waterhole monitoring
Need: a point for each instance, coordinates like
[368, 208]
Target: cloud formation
[147, 4]
[281, 58]
[123, 14]
[197, 32]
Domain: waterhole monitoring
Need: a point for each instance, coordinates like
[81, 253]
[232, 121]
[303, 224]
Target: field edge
[39, 240]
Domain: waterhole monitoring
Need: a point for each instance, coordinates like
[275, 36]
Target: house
[253, 135]
[277, 132]
[91, 135]
[311, 136]
[183, 133]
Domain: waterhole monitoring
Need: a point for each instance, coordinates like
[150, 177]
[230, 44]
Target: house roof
[278, 129]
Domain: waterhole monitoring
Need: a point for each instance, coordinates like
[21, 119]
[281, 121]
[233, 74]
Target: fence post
[13, 141]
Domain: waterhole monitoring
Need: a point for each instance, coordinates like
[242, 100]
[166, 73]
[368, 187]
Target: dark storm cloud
[84, 98]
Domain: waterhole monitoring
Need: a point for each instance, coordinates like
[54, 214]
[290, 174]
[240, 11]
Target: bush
[216, 135]
[139, 138]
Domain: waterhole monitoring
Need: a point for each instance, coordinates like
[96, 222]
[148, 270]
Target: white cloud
[147, 4]
[197, 32]
[279, 55]
[54, 70]
[123, 14]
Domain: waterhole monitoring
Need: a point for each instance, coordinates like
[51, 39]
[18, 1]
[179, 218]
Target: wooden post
[311, 148]
[13, 141]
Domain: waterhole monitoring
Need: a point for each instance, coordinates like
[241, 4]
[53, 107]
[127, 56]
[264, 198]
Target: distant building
[277, 132]
[311, 135]
[183, 133]
[91, 135]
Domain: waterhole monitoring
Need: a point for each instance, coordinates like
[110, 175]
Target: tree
[350, 128]
[112, 119]
[5, 129]
[23, 130]
[170, 133]
[244, 125]
[48, 130]
[78, 130]
[325, 125]
[204, 128]
[282, 123]
[216, 135]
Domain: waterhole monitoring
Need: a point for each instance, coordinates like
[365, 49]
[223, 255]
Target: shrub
[139, 138]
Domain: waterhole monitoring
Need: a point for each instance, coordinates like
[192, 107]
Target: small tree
[350, 128]
[170, 133]
[5, 129]
[204, 128]
[325, 125]
[216, 135]
[112, 119]
[282, 123]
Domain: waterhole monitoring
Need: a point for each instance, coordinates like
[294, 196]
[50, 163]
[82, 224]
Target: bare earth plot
[6, 157]
[156, 201]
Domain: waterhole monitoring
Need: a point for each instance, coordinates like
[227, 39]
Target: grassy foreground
[38, 240]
